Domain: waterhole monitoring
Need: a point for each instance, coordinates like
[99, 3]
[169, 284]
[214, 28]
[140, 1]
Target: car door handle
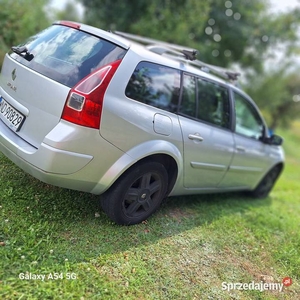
[196, 137]
[240, 148]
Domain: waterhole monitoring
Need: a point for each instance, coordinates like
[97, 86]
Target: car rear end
[51, 94]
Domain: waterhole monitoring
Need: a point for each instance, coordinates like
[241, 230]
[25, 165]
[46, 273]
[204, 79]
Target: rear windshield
[67, 55]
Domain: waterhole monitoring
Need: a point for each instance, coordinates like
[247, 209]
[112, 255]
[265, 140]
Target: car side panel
[127, 123]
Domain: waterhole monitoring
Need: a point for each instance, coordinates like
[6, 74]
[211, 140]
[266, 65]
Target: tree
[112, 15]
[19, 20]
[69, 12]
[278, 95]
[244, 32]
[173, 21]
[179, 22]
[224, 32]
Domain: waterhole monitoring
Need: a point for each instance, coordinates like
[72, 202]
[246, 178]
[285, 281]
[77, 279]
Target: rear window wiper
[23, 51]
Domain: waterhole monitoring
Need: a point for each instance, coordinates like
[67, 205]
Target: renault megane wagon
[133, 119]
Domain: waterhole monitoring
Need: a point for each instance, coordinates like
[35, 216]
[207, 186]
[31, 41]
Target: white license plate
[10, 116]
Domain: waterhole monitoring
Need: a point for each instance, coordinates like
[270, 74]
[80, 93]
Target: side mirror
[274, 140]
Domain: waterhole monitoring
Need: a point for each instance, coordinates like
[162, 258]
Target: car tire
[137, 194]
[266, 184]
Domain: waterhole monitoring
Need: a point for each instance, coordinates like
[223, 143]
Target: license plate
[10, 116]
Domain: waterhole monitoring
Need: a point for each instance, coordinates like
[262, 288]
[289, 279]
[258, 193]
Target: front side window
[67, 55]
[155, 85]
[205, 101]
[248, 122]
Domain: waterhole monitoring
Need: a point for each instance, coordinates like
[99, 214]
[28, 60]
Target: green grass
[185, 251]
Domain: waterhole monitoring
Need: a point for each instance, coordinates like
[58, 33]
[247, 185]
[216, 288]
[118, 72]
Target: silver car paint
[206, 160]
[40, 99]
[71, 156]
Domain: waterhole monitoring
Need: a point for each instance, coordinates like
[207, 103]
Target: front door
[250, 160]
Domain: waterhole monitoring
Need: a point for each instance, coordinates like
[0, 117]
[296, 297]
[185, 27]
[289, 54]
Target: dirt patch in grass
[179, 214]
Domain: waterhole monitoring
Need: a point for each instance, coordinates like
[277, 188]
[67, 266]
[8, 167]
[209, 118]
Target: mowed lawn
[58, 244]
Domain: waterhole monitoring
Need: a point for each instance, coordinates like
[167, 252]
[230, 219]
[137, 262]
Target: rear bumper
[56, 161]
[48, 164]
[48, 159]
[61, 180]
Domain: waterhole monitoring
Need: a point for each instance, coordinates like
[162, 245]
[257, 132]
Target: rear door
[204, 116]
[36, 78]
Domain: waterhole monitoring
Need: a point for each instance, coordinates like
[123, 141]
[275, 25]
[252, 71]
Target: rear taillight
[84, 103]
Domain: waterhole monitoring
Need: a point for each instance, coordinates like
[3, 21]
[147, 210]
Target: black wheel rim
[143, 195]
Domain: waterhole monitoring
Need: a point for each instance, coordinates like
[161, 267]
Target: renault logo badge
[13, 75]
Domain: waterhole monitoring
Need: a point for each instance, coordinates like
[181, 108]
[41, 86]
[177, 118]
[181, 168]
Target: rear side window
[155, 85]
[205, 101]
[67, 55]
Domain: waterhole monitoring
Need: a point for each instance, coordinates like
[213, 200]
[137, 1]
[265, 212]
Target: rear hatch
[37, 76]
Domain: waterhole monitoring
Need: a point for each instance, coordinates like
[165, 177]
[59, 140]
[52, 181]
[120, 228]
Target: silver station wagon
[130, 118]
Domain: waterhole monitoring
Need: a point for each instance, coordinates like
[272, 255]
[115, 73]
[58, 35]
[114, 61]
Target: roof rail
[216, 70]
[181, 53]
[160, 47]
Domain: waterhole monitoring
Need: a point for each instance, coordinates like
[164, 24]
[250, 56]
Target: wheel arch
[168, 162]
[157, 151]
[258, 191]
[279, 165]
